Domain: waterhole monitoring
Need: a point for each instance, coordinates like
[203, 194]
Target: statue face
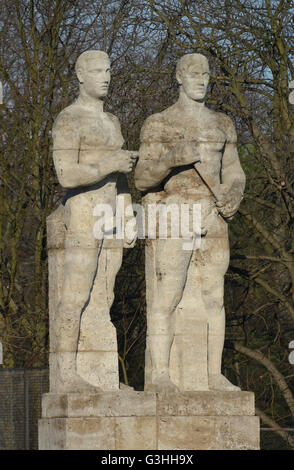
[194, 79]
[95, 77]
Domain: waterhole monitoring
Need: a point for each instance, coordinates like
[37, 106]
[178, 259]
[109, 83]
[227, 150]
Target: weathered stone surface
[76, 434]
[136, 433]
[89, 339]
[52, 434]
[55, 246]
[237, 432]
[190, 348]
[188, 155]
[211, 403]
[55, 405]
[186, 432]
[208, 433]
[91, 433]
[56, 229]
[120, 403]
[162, 433]
[99, 368]
[149, 420]
[131, 433]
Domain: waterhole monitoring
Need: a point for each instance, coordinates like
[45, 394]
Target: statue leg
[97, 360]
[114, 260]
[170, 266]
[215, 252]
[79, 272]
[81, 258]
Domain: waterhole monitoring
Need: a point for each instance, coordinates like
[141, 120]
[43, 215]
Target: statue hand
[124, 160]
[130, 241]
[228, 202]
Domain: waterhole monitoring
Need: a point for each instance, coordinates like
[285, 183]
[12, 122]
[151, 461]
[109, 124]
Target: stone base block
[129, 420]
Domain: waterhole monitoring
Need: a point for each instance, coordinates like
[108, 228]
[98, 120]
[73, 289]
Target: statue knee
[67, 341]
[158, 323]
[166, 304]
[69, 312]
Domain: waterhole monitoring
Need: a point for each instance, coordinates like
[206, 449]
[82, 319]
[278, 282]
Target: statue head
[192, 73]
[93, 72]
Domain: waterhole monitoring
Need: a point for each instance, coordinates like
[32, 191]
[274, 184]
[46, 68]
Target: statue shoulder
[227, 125]
[114, 119]
[154, 127]
[66, 127]
[150, 129]
[69, 116]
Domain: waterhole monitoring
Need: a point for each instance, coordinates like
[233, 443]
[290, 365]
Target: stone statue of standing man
[188, 155]
[91, 165]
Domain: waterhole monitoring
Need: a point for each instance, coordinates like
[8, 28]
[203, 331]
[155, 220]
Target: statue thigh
[214, 262]
[167, 265]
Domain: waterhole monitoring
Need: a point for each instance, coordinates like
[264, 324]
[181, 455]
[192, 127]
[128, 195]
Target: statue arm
[155, 163]
[152, 168]
[123, 192]
[232, 181]
[232, 174]
[232, 177]
[72, 174]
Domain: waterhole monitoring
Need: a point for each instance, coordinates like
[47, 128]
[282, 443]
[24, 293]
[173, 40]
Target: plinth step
[145, 420]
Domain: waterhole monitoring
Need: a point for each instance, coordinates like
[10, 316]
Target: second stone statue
[188, 156]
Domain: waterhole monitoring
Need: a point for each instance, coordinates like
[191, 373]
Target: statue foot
[163, 384]
[67, 378]
[220, 382]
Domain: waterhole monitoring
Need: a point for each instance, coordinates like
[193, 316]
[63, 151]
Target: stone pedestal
[129, 420]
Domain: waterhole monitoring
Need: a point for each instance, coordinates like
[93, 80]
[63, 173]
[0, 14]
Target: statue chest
[205, 132]
[100, 132]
